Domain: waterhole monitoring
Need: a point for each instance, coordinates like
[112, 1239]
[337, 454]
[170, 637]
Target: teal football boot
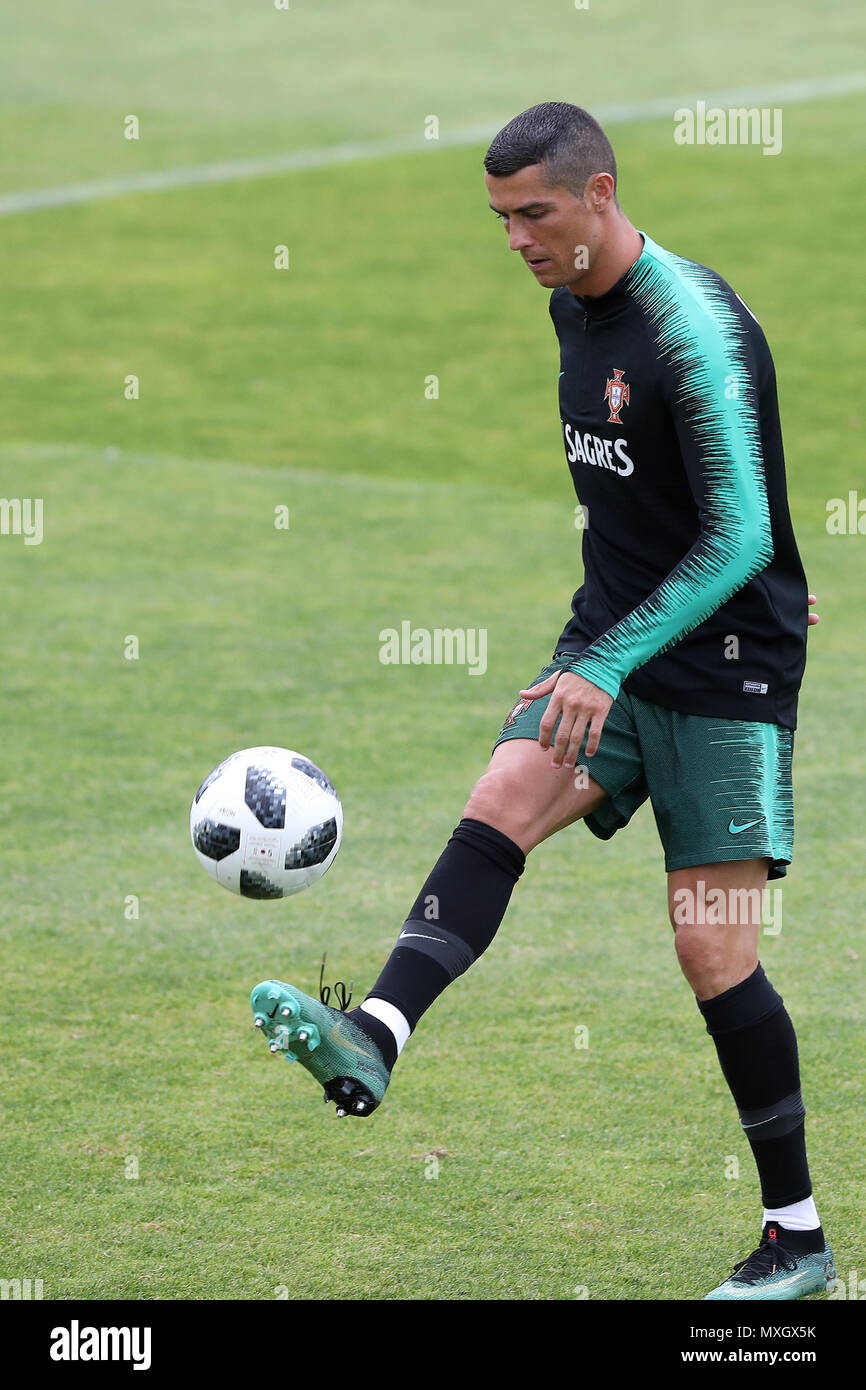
[342, 1057]
[775, 1271]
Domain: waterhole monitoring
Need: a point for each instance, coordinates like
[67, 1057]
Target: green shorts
[720, 789]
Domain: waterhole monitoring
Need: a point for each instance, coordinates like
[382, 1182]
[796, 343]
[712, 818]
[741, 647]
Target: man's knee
[499, 799]
[699, 949]
[715, 910]
[713, 958]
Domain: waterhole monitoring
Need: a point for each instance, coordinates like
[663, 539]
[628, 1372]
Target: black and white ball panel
[256, 885]
[215, 841]
[265, 794]
[310, 770]
[314, 847]
[212, 776]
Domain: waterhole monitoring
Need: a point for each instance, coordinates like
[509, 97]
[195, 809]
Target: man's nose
[518, 237]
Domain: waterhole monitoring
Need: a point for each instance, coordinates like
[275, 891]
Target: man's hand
[580, 703]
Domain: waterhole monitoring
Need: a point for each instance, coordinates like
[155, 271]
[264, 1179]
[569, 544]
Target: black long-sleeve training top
[694, 595]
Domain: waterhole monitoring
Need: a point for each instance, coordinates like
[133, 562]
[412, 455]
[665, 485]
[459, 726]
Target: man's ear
[599, 191]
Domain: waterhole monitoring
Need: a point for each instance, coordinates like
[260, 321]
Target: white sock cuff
[391, 1017]
[799, 1216]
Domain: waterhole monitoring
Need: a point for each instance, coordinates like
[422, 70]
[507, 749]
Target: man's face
[550, 227]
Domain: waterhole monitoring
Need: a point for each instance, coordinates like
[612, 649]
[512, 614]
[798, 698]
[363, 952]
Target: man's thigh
[529, 800]
[526, 798]
[604, 790]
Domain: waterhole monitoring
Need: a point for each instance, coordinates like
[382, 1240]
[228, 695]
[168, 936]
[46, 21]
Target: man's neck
[619, 253]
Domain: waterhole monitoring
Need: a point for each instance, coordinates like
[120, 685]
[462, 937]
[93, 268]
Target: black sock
[757, 1050]
[453, 920]
[378, 1031]
[798, 1242]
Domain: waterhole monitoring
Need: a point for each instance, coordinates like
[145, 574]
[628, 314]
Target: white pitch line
[27, 454]
[228, 171]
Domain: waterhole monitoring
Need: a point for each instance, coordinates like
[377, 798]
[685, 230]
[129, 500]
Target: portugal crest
[518, 709]
[616, 394]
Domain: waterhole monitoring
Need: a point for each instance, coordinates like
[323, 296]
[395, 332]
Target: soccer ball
[266, 823]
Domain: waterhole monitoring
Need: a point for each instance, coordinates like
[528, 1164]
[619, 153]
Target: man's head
[551, 177]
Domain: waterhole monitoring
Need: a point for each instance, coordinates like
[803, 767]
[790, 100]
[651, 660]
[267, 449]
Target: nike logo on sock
[422, 937]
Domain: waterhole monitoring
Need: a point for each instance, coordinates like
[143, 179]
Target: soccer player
[675, 678]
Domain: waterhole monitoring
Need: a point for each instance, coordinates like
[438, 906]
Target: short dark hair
[567, 140]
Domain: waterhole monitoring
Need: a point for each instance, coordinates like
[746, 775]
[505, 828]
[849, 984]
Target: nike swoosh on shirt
[738, 829]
